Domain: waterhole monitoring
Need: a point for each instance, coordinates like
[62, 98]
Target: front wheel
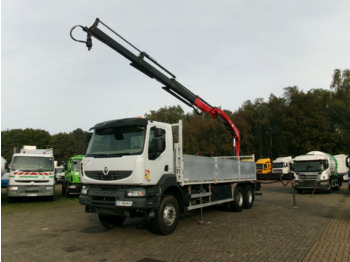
[167, 216]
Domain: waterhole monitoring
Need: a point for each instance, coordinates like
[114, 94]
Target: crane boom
[171, 85]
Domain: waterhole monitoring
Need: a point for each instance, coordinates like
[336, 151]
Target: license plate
[123, 203]
[32, 195]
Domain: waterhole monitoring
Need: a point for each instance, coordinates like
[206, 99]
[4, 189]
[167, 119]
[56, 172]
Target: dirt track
[273, 230]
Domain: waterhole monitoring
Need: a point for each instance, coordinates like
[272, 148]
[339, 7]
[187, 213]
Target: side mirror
[160, 145]
[158, 132]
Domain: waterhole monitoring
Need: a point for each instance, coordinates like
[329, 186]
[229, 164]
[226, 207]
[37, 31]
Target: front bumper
[30, 191]
[114, 199]
[312, 184]
[74, 189]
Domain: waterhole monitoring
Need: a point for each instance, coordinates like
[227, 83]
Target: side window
[156, 144]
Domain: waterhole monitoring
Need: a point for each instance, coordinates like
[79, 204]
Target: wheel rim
[240, 199]
[250, 196]
[169, 214]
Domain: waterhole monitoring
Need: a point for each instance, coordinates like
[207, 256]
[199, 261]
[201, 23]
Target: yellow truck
[263, 168]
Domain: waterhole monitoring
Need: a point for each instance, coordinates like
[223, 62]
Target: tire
[248, 197]
[167, 216]
[237, 204]
[110, 221]
[63, 188]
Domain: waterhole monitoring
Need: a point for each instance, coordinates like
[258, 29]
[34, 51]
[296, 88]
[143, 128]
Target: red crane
[170, 84]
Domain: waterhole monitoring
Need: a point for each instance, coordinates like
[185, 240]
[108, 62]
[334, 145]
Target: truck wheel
[63, 189]
[237, 204]
[110, 221]
[167, 216]
[248, 197]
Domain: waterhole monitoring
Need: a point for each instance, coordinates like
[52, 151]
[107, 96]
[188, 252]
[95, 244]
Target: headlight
[49, 188]
[13, 188]
[136, 193]
[84, 190]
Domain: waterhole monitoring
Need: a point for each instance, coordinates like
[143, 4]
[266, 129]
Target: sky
[225, 51]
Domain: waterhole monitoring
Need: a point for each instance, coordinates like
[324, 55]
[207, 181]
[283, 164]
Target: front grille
[112, 175]
[311, 177]
[309, 183]
[32, 181]
[103, 201]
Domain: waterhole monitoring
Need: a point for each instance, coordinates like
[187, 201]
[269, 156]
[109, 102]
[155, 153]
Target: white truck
[316, 170]
[341, 167]
[281, 167]
[32, 173]
[136, 167]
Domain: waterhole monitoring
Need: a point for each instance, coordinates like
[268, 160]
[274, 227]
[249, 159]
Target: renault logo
[105, 171]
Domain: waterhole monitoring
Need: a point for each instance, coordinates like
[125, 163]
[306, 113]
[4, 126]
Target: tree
[170, 114]
[68, 145]
[340, 108]
[13, 140]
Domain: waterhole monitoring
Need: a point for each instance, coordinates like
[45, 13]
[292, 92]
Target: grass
[23, 204]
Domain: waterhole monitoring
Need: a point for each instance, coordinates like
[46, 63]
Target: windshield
[32, 163]
[277, 165]
[76, 164]
[310, 166]
[259, 166]
[117, 141]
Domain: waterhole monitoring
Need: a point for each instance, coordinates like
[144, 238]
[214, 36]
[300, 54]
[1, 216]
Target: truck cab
[131, 151]
[315, 170]
[32, 173]
[281, 167]
[263, 168]
[71, 184]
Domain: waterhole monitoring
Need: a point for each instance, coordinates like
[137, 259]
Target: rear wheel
[248, 196]
[167, 216]
[237, 204]
[110, 221]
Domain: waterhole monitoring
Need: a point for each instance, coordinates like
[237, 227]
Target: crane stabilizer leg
[170, 84]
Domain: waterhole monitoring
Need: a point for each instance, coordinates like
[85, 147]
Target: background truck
[341, 167]
[71, 184]
[316, 170]
[5, 175]
[281, 167]
[136, 167]
[32, 173]
[264, 168]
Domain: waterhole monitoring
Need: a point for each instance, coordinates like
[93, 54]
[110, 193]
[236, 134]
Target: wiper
[98, 155]
[108, 155]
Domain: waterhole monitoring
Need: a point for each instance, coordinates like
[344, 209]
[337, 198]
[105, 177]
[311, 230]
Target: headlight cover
[136, 193]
